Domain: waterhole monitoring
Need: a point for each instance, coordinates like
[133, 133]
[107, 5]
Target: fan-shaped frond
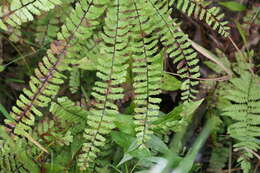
[244, 110]
[211, 16]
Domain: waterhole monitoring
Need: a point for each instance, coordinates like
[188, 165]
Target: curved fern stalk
[244, 110]
[45, 84]
[178, 48]
[211, 16]
[22, 11]
[112, 70]
[147, 71]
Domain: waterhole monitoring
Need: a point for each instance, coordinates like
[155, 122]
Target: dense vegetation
[143, 86]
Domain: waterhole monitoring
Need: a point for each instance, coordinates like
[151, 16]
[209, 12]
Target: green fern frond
[244, 110]
[48, 25]
[218, 158]
[14, 155]
[48, 78]
[74, 80]
[82, 20]
[211, 16]
[43, 86]
[65, 110]
[112, 73]
[178, 48]
[147, 71]
[21, 11]
[84, 54]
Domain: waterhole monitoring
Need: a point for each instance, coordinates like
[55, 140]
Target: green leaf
[5, 113]
[170, 83]
[122, 139]
[157, 144]
[186, 164]
[233, 5]
[86, 64]
[171, 116]
[125, 123]
[2, 68]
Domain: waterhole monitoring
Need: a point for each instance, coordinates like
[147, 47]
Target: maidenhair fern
[111, 75]
[146, 70]
[43, 86]
[244, 110]
[124, 43]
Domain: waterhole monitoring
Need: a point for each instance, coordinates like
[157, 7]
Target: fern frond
[48, 78]
[178, 48]
[211, 16]
[14, 155]
[66, 111]
[22, 11]
[147, 71]
[74, 80]
[112, 73]
[244, 110]
[83, 19]
[48, 25]
[43, 86]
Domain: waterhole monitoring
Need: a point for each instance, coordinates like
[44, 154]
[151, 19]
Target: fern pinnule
[112, 74]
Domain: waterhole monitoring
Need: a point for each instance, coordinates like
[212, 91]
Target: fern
[43, 86]
[48, 25]
[15, 156]
[74, 82]
[22, 11]
[107, 90]
[69, 114]
[244, 110]
[146, 70]
[124, 43]
[211, 16]
[48, 78]
[178, 48]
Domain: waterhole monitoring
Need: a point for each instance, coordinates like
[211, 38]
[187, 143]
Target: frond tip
[211, 16]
